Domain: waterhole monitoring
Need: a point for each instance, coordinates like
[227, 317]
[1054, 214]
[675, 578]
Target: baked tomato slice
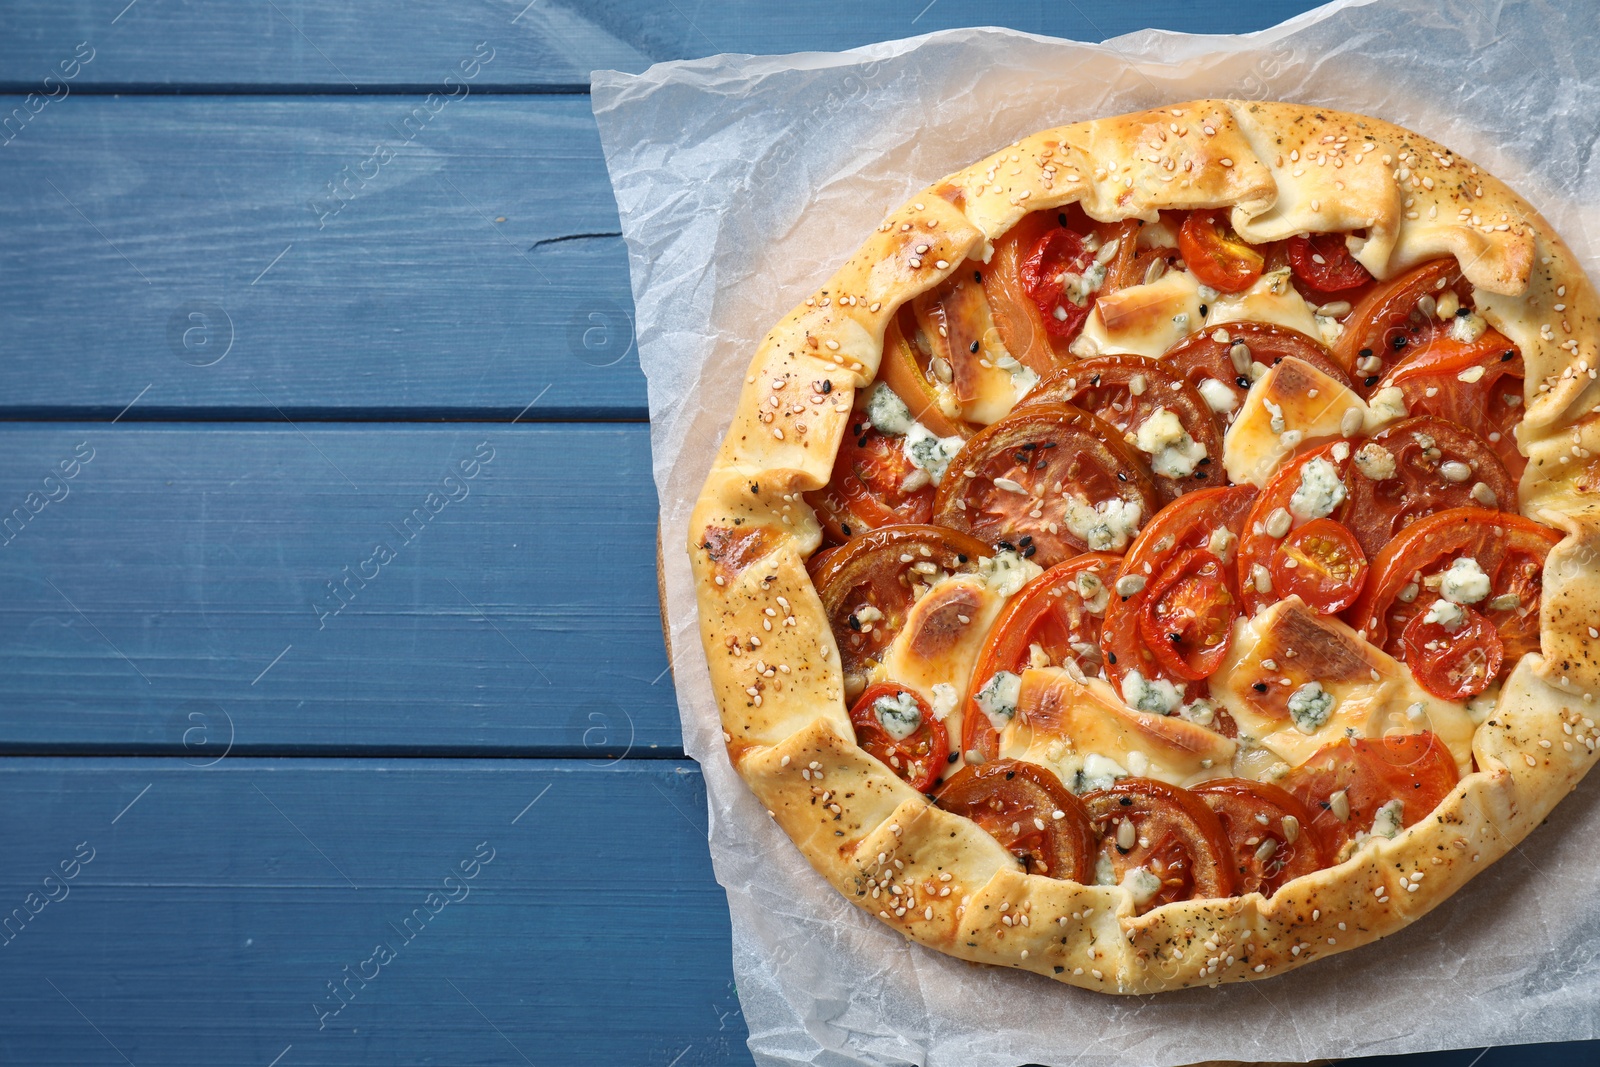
[1454, 660]
[1216, 255]
[1311, 486]
[1394, 317]
[870, 583]
[1158, 413]
[1477, 384]
[1051, 480]
[1208, 520]
[1058, 274]
[1418, 466]
[1017, 316]
[908, 368]
[1324, 263]
[1497, 560]
[874, 484]
[1160, 842]
[1322, 564]
[1054, 619]
[1187, 617]
[896, 725]
[1356, 786]
[1271, 834]
[1224, 354]
[1029, 811]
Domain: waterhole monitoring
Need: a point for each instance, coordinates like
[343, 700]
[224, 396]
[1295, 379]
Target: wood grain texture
[218, 907]
[542, 45]
[147, 605]
[467, 266]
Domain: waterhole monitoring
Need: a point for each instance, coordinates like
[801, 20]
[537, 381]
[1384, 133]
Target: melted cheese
[1273, 298]
[1064, 718]
[987, 382]
[1290, 404]
[1144, 320]
[934, 646]
[1288, 646]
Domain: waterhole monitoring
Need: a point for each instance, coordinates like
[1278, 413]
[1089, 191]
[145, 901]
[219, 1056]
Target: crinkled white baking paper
[744, 181]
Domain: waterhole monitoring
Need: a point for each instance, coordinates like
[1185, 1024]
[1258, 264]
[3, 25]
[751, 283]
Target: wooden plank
[151, 45]
[220, 908]
[196, 247]
[192, 583]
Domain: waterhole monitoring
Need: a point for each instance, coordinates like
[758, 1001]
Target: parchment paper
[744, 181]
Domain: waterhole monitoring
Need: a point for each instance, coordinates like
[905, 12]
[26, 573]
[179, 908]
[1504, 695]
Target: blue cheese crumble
[1107, 526]
[1141, 885]
[1097, 772]
[1464, 582]
[929, 452]
[1446, 614]
[1319, 492]
[887, 412]
[1006, 571]
[898, 715]
[998, 698]
[1155, 695]
[1310, 706]
[1389, 820]
[1173, 453]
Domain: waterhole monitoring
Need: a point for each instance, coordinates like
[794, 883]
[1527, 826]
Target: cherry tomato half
[1052, 274]
[1325, 264]
[1059, 613]
[1477, 384]
[874, 484]
[1208, 519]
[1345, 784]
[1453, 663]
[1322, 564]
[1167, 831]
[1029, 811]
[1274, 516]
[1188, 613]
[1269, 830]
[1216, 255]
[920, 756]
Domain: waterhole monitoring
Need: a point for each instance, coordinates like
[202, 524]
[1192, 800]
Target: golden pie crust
[1283, 169]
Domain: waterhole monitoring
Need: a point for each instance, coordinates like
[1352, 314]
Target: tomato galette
[1163, 555]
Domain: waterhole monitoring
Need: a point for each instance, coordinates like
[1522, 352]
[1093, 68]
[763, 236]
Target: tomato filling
[1113, 554]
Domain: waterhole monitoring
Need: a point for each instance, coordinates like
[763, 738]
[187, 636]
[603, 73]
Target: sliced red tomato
[1059, 615]
[1325, 264]
[919, 757]
[1479, 385]
[1274, 516]
[1133, 265]
[1453, 662]
[1188, 614]
[1210, 519]
[1053, 276]
[1127, 391]
[1379, 330]
[1345, 784]
[1208, 353]
[1017, 316]
[1029, 811]
[870, 583]
[1423, 449]
[1270, 832]
[873, 485]
[1167, 831]
[1322, 564]
[1034, 480]
[1508, 548]
[1216, 255]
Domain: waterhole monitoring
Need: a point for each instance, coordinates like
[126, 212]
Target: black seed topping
[1365, 352]
[1462, 313]
[977, 276]
[973, 347]
[1112, 655]
[1005, 546]
[960, 558]
[1371, 380]
[1204, 460]
[1025, 540]
[1125, 800]
[1095, 380]
[855, 623]
[1122, 476]
[1242, 382]
[953, 757]
[845, 528]
[1202, 311]
[1506, 357]
[1062, 218]
[1028, 552]
[1398, 342]
[1260, 687]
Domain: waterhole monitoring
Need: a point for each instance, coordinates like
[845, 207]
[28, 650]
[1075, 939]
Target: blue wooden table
[336, 718]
